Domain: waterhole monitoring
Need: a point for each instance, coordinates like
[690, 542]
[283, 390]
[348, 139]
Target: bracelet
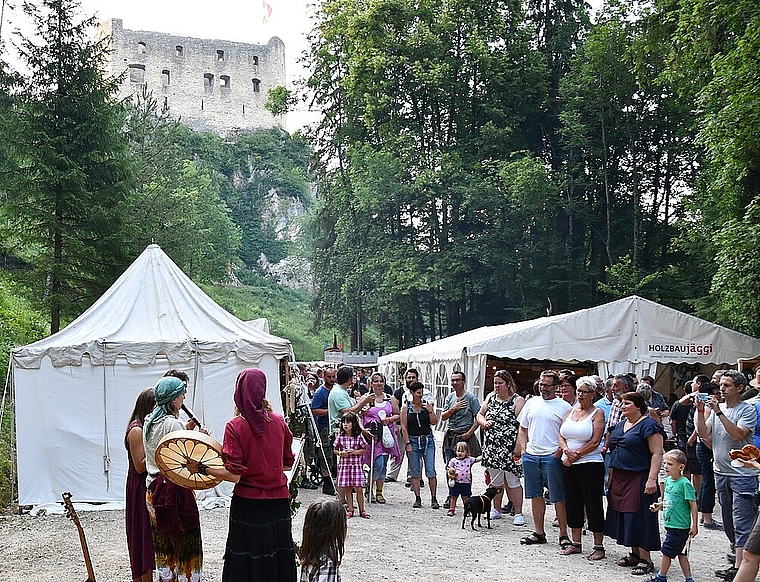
[719, 413]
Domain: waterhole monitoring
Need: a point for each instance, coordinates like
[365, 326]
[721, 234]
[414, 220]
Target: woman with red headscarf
[257, 449]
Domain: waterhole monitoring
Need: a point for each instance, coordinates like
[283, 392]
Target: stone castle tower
[211, 85]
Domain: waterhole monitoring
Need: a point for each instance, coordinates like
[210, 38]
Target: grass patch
[288, 311]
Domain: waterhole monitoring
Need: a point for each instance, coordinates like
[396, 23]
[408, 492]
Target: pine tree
[70, 173]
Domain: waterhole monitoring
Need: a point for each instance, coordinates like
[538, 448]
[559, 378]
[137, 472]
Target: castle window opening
[256, 85]
[179, 50]
[255, 60]
[141, 48]
[219, 55]
[224, 82]
[208, 82]
[165, 77]
[137, 73]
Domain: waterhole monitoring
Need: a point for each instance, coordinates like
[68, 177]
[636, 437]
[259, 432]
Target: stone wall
[213, 85]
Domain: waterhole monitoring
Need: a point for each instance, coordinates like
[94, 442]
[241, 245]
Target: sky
[235, 20]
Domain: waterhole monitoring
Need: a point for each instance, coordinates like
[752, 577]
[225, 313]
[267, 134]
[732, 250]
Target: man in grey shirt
[732, 425]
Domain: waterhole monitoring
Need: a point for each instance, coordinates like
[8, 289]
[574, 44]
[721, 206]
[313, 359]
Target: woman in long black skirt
[257, 448]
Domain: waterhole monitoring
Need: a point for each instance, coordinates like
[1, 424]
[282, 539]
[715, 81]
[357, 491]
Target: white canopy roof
[629, 330]
[153, 308]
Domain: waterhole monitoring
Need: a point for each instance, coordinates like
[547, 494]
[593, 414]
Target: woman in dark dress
[636, 446]
[139, 540]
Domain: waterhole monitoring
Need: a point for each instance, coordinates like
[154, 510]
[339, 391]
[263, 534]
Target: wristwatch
[719, 413]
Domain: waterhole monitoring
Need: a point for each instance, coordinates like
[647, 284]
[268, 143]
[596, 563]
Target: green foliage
[20, 323]
[279, 100]
[286, 309]
[69, 173]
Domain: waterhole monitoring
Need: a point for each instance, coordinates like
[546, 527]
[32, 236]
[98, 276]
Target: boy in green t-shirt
[679, 516]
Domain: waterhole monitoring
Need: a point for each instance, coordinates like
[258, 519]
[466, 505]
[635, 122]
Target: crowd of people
[572, 442]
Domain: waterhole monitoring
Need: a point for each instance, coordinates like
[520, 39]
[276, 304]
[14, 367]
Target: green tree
[71, 174]
[177, 203]
[418, 100]
[714, 63]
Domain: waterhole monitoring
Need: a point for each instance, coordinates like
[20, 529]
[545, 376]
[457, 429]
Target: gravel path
[397, 543]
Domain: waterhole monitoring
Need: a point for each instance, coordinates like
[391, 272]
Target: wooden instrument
[72, 514]
[191, 416]
[182, 447]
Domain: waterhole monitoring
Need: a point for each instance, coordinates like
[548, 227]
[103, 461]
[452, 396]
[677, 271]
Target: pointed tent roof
[153, 308]
[632, 329]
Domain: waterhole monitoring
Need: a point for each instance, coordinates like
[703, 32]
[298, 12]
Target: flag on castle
[267, 10]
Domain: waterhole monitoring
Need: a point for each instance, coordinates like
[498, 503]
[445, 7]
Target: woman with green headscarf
[174, 520]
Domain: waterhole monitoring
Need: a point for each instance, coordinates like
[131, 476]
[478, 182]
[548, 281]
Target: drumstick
[191, 416]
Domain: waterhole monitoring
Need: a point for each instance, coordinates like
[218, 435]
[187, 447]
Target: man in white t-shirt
[538, 442]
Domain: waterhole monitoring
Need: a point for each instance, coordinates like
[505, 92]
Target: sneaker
[417, 503]
[434, 503]
[727, 574]
[450, 513]
[390, 480]
[508, 508]
[327, 488]
[657, 578]
[408, 482]
[422, 483]
[305, 484]
[716, 525]
[518, 519]
[495, 514]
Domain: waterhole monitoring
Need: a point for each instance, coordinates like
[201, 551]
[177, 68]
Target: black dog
[477, 505]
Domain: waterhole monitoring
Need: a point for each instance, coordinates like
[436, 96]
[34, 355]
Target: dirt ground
[397, 543]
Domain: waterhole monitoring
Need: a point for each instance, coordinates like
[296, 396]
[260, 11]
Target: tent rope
[106, 456]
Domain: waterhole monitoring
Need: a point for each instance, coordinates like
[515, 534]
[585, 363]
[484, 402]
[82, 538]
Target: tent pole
[196, 367]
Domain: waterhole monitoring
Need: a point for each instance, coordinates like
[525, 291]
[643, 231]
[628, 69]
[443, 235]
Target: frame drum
[176, 448]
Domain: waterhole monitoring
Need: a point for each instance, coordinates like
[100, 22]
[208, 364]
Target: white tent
[76, 389]
[631, 334]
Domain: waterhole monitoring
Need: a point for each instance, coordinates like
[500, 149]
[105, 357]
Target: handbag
[388, 440]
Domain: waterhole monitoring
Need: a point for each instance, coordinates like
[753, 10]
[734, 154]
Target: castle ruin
[210, 85]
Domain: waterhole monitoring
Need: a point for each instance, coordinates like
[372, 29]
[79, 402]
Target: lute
[72, 515]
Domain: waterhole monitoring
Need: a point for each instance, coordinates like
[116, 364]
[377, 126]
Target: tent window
[256, 85]
[255, 60]
[141, 48]
[165, 77]
[179, 50]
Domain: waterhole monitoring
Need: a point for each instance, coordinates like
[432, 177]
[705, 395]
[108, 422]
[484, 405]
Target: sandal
[565, 542]
[630, 560]
[350, 513]
[573, 548]
[364, 514]
[642, 568]
[597, 554]
[534, 538]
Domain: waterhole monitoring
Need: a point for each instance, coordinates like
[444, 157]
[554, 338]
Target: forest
[474, 163]
[479, 163]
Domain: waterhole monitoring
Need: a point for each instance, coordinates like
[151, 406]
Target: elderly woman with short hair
[580, 438]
